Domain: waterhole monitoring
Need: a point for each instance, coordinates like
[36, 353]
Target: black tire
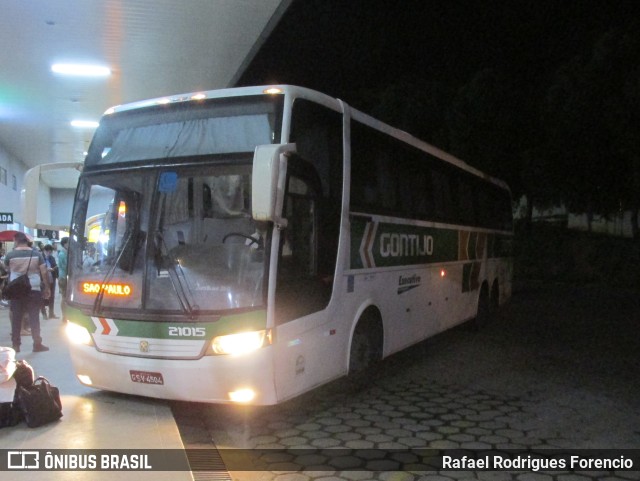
[495, 299]
[366, 345]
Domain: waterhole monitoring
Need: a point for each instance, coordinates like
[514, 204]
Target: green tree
[616, 56]
[592, 122]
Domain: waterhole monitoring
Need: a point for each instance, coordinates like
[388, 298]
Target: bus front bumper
[247, 379]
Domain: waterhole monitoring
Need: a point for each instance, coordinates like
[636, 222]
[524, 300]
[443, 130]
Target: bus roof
[225, 93]
[309, 94]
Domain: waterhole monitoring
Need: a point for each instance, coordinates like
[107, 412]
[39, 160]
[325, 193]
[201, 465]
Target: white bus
[259, 242]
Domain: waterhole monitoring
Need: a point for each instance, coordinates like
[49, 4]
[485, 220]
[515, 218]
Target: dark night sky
[340, 46]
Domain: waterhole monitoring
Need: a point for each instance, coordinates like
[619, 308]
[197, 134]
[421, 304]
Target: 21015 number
[187, 331]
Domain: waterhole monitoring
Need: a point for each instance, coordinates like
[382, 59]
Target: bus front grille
[151, 347]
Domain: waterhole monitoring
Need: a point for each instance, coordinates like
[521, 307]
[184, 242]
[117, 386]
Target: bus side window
[442, 201]
[414, 190]
[421, 195]
[485, 214]
[406, 193]
[466, 201]
[387, 176]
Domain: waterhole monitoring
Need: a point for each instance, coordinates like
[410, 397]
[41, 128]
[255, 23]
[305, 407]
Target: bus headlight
[242, 395]
[238, 344]
[78, 334]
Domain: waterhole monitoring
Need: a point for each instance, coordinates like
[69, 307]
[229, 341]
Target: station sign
[49, 234]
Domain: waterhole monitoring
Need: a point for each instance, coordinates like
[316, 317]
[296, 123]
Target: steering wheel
[253, 240]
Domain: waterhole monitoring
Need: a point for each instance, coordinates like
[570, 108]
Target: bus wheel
[483, 316]
[495, 298]
[366, 345]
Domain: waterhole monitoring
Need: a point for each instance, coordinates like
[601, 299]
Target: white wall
[44, 205]
[10, 197]
[61, 206]
[54, 205]
[99, 203]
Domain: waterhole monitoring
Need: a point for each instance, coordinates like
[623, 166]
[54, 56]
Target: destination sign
[109, 289]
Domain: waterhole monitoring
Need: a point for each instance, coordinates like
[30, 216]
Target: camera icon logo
[23, 460]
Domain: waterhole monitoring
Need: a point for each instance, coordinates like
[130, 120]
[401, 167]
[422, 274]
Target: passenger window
[441, 195]
[466, 204]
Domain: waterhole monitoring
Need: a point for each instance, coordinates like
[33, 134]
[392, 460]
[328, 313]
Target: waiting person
[24, 260]
[62, 273]
[26, 330]
[88, 259]
[4, 275]
[52, 269]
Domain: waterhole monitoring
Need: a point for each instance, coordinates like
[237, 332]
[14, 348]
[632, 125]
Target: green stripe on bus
[381, 244]
[248, 321]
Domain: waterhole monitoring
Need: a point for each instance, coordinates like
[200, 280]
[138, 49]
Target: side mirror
[268, 182]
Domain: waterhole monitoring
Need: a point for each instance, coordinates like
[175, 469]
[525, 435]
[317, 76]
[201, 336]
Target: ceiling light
[84, 124]
[82, 70]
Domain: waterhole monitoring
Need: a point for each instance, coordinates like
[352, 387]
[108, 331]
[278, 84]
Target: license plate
[146, 377]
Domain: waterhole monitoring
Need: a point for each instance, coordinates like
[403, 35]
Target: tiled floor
[92, 419]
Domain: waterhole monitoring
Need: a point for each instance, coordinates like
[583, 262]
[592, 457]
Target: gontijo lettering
[110, 289]
[400, 245]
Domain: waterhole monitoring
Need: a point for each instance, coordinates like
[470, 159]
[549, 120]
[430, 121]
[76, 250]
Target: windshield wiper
[98, 302]
[176, 274]
[176, 282]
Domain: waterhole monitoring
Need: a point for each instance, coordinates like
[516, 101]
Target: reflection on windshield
[186, 129]
[201, 251]
[107, 245]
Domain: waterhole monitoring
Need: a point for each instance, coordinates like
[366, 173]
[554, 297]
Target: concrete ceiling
[153, 48]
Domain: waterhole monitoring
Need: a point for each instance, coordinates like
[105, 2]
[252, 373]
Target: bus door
[303, 290]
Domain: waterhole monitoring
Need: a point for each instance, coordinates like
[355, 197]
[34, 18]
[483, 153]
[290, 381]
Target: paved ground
[559, 368]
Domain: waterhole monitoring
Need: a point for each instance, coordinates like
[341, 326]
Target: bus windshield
[187, 129]
[178, 240]
[162, 222]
